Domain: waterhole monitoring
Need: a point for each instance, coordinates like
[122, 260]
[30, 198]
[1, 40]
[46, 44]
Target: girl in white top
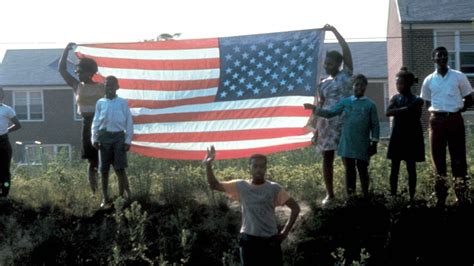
[87, 93]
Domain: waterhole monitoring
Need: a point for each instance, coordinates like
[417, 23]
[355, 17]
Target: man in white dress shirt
[447, 93]
[112, 131]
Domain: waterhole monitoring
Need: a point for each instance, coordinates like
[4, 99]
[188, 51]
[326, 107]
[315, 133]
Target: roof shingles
[369, 58]
[32, 67]
[436, 11]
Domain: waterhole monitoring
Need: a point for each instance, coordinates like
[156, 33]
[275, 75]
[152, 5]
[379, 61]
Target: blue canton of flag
[269, 65]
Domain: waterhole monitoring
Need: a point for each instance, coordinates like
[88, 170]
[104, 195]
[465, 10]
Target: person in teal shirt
[360, 133]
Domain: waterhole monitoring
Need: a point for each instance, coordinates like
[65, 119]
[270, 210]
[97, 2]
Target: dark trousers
[112, 151]
[351, 175]
[5, 160]
[258, 251]
[448, 130]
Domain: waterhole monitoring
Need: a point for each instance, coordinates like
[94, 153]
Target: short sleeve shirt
[258, 204]
[6, 115]
[446, 93]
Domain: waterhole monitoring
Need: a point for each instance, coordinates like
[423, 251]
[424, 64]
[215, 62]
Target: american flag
[244, 94]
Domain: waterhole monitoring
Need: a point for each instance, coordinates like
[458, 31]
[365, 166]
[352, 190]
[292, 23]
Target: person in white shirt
[8, 123]
[111, 134]
[447, 93]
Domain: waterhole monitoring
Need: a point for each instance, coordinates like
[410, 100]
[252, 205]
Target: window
[28, 105]
[460, 45]
[39, 153]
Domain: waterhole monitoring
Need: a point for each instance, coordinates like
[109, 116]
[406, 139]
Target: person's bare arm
[295, 211]
[15, 124]
[211, 178]
[392, 110]
[68, 78]
[468, 102]
[346, 51]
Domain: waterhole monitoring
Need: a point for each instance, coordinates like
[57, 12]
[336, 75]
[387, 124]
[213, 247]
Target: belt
[110, 132]
[445, 114]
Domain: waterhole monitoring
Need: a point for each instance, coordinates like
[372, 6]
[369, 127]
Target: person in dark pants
[87, 93]
[406, 142]
[447, 93]
[259, 238]
[360, 133]
[112, 131]
[8, 123]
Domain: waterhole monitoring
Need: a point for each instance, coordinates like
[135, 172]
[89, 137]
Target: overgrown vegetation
[51, 217]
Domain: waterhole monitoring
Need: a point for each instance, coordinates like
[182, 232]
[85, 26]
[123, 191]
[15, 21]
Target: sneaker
[327, 201]
[104, 204]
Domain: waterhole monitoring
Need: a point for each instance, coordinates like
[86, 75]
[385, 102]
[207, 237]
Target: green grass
[63, 184]
[175, 214]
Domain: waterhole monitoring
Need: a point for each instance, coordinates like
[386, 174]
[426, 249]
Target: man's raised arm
[211, 178]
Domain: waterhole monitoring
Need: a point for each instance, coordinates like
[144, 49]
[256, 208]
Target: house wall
[59, 125]
[418, 45]
[376, 92]
[394, 47]
[411, 45]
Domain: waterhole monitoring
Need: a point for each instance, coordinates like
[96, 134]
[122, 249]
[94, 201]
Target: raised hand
[70, 45]
[211, 155]
[328, 27]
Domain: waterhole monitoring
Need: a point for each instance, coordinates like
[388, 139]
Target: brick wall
[417, 48]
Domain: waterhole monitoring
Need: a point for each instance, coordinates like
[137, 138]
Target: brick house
[43, 102]
[415, 28]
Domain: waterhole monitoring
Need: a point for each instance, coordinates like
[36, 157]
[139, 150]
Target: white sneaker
[327, 201]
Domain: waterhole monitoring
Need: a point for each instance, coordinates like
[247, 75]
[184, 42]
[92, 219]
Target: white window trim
[26, 160]
[28, 104]
[457, 45]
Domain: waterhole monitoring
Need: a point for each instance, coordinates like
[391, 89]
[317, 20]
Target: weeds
[176, 219]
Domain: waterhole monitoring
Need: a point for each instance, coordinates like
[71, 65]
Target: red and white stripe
[171, 88]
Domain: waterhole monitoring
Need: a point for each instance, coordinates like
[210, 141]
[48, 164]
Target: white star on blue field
[268, 65]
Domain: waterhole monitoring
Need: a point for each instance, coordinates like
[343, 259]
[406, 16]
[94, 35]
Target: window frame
[28, 104]
[457, 46]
